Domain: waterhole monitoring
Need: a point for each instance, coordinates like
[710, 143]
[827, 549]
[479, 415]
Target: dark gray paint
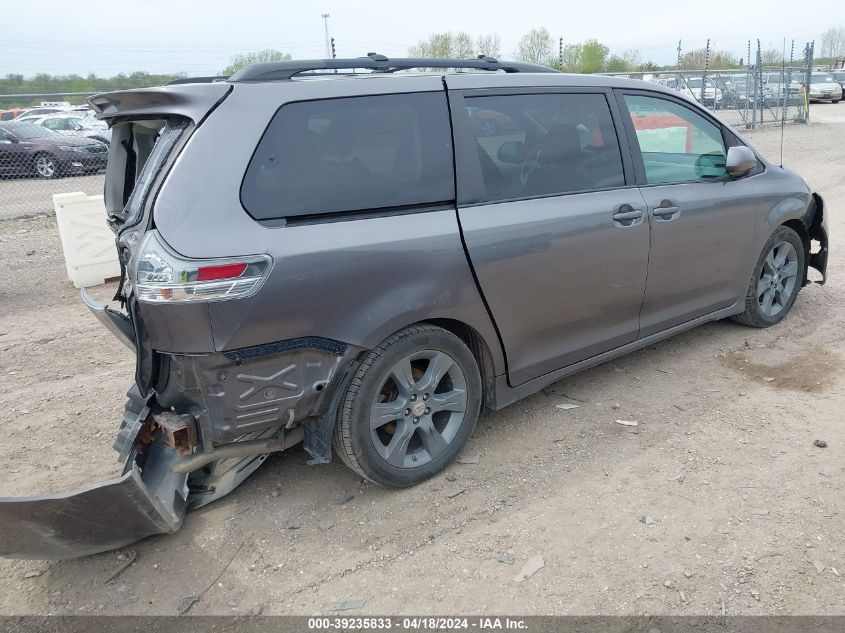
[191, 100]
[560, 278]
[690, 275]
[562, 281]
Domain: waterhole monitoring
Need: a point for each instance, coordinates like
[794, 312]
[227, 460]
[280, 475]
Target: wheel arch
[801, 230]
[812, 226]
[480, 351]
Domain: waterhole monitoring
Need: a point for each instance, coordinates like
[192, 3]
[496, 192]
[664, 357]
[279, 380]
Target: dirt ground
[717, 502]
[28, 197]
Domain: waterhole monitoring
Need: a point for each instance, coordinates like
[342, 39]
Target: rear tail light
[161, 276]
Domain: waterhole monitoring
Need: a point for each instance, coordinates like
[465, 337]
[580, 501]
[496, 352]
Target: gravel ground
[718, 501]
[28, 197]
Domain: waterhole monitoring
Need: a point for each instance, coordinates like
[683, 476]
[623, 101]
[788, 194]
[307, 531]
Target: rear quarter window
[352, 154]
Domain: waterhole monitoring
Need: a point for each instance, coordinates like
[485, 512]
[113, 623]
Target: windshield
[29, 131]
[696, 83]
[818, 78]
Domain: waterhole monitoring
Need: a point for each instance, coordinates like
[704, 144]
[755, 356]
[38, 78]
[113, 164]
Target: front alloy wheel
[410, 407]
[776, 280]
[46, 166]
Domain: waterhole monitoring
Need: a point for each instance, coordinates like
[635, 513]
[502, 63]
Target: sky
[199, 37]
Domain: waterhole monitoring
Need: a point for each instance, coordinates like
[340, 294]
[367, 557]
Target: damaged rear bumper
[86, 521]
[204, 423]
[148, 498]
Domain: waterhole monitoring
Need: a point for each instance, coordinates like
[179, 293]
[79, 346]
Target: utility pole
[333, 51]
[326, 25]
[679, 54]
[560, 56]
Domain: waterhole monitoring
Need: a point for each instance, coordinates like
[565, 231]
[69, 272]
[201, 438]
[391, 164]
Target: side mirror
[740, 161]
[511, 152]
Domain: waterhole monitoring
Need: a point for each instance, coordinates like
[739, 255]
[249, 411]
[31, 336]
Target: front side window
[545, 144]
[676, 143]
[352, 154]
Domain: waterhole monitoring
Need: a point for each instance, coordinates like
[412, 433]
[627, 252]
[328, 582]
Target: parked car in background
[8, 115]
[27, 149]
[823, 87]
[839, 77]
[706, 93]
[732, 86]
[39, 111]
[776, 92]
[76, 125]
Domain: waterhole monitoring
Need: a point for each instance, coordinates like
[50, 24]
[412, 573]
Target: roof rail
[196, 80]
[276, 71]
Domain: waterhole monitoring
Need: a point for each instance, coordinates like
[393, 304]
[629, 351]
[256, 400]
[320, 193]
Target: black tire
[45, 165]
[754, 314]
[355, 442]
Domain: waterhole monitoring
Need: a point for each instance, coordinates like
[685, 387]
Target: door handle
[627, 215]
[667, 210]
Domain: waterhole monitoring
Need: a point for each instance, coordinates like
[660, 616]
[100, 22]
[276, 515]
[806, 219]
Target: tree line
[591, 56]
[537, 46]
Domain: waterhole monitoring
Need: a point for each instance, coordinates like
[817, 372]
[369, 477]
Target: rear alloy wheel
[410, 407]
[46, 166]
[776, 281]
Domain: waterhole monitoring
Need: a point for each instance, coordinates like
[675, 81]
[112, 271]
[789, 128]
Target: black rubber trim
[338, 348]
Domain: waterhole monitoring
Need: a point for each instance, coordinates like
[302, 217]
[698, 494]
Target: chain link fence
[746, 97]
[57, 146]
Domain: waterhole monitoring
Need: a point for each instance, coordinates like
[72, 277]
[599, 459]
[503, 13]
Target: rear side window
[545, 144]
[352, 154]
[677, 144]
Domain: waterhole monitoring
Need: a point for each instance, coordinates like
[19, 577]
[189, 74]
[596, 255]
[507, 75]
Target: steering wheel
[529, 165]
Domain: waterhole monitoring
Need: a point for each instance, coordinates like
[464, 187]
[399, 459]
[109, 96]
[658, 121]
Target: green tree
[571, 60]
[489, 45]
[58, 86]
[833, 43]
[772, 57]
[245, 59]
[447, 44]
[536, 47]
[694, 59]
[617, 64]
[593, 56]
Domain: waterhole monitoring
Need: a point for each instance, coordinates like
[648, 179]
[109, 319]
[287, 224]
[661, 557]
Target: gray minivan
[360, 256]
